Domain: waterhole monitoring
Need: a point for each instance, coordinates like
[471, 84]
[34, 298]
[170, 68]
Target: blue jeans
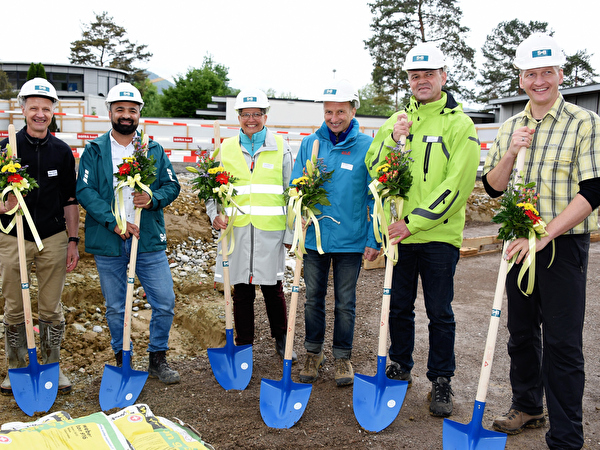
[153, 272]
[435, 262]
[346, 268]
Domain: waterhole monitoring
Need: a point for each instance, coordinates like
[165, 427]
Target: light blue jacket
[346, 225]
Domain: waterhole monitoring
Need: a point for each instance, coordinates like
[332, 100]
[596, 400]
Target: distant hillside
[159, 82]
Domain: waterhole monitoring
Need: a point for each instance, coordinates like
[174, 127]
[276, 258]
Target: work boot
[310, 372]
[514, 421]
[158, 367]
[395, 372]
[15, 341]
[344, 375]
[440, 397]
[280, 348]
[50, 339]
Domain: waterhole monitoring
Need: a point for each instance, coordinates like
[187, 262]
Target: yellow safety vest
[260, 192]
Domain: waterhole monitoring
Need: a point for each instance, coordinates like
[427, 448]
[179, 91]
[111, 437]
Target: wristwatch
[74, 239]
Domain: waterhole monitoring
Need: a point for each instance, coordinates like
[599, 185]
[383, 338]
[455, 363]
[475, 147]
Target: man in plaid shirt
[563, 160]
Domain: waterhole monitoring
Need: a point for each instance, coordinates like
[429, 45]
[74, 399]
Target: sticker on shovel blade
[297, 406]
[48, 385]
[129, 396]
[391, 403]
[244, 366]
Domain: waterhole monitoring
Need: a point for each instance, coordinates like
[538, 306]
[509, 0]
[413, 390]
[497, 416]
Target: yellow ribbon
[383, 202]
[296, 211]
[16, 190]
[225, 193]
[119, 211]
[529, 262]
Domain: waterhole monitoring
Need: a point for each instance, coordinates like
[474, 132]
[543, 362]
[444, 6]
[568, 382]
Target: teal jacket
[445, 152]
[96, 195]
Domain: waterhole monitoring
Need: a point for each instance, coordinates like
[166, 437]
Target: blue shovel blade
[377, 400]
[231, 365]
[121, 386]
[35, 386]
[282, 403]
[472, 436]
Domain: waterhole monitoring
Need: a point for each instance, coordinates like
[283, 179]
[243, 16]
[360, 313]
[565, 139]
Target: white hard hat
[124, 92]
[37, 87]
[252, 98]
[340, 91]
[539, 50]
[424, 56]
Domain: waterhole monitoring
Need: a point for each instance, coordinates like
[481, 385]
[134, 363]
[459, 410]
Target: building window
[69, 82]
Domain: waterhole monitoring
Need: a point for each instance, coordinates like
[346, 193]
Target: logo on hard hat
[42, 88]
[250, 99]
[541, 53]
[419, 58]
[329, 91]
[125, 94]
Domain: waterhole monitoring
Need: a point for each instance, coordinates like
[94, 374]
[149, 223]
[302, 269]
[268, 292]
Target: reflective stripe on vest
[260, 193]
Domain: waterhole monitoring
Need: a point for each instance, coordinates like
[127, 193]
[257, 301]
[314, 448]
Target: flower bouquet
[302, 198]
[390, 189]
[137, 172]
[14, 178]
[520, 218]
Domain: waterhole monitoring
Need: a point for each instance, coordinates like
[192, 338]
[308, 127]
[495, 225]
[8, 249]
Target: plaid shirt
[564, 152]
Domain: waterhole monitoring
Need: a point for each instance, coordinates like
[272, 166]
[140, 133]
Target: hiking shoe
[440, 397]
[158, 367]
[344, 375]
[280, 348]
[514, 421]
[395, 372]
[310, 372]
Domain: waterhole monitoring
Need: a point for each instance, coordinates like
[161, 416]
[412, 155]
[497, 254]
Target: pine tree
[104, 43]
[399, 26]
[500, 78]
[578, 70]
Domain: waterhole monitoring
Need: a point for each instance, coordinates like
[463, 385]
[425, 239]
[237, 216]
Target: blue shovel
[282, 403]
[231, 365]
[121, 386]
[34, 387]
[473, 436]
[377, 400]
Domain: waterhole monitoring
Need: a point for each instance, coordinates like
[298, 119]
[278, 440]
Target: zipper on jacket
[251, 253]
[426, 161]
[440, 199]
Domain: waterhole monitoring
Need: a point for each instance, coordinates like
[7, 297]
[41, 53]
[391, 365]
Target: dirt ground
[233, 420]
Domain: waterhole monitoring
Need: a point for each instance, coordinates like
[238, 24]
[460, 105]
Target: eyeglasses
[246, 116]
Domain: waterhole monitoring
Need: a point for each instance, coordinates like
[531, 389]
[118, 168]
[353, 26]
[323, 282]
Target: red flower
[383, 178]
[532, 216]
[222, 177]
[14, 178]
[125, 169]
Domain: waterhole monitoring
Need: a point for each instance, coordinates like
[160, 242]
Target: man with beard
[111, 245]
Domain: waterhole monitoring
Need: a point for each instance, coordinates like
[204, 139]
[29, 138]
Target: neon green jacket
[445, 152]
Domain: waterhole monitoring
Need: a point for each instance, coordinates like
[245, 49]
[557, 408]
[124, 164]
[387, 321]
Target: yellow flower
[11, 167]
[383, 168]
[528, 207]
[216, 170]
[300, 180]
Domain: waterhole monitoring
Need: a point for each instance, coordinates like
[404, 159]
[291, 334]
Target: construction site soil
[232, 419]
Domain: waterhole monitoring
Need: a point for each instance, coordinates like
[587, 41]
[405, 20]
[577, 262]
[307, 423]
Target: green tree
[399, 26]
[152, 99]
[36, 71]
[6, 89]
[196, 89]
[578, 70]
[374, 103]
[103, 43]
[272, 93]
[499, 78]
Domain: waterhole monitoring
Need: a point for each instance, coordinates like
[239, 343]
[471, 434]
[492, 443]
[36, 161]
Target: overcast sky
[287, 46]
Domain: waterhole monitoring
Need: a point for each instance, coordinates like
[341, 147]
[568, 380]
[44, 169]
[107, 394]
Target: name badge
[52, 173]
[347, 166]
[267, 166]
